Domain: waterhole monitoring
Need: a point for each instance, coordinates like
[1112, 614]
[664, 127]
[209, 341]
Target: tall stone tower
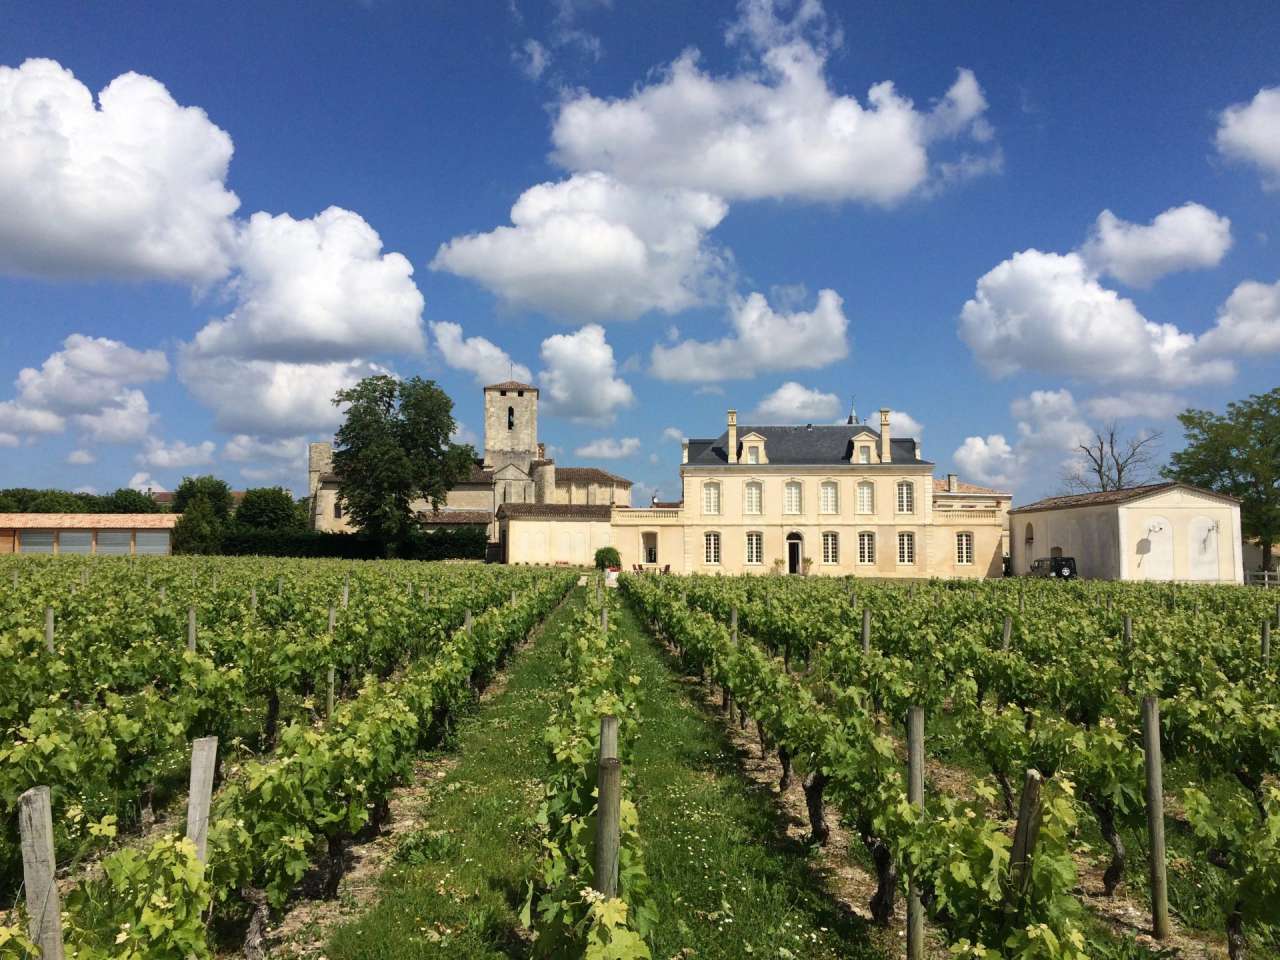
[510, 425]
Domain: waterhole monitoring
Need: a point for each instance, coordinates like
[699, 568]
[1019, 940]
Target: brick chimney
[885, 454]
[733, 437]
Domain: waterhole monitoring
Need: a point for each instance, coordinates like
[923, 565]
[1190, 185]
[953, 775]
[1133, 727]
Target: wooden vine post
[44, 907]
[48, 629]
[1266, 642]
[866, 629]
[604, 619]
[1025, 837]
[191, 629]
[332, 669]
[915, 794]
[1155, 817]
[1007, 634]
[608, 810]
[204, 757]
[346, 590]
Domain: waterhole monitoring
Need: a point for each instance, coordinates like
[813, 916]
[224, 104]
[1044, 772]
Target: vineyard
[1007, 758]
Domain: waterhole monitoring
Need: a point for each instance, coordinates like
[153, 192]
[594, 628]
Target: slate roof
[512, 385]
[816, 444]
[88, 521]
[940, 486]
[555, 511]
[1105, 497]
[589, 475]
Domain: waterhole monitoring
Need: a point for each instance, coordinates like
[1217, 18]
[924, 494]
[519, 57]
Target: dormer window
[864, 454]
[753, 454]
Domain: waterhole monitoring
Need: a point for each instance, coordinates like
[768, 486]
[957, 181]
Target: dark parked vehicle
[1059, 568]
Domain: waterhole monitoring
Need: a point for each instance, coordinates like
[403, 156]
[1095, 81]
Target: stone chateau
[846, 499]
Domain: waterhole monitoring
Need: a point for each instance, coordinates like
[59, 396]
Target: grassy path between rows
[726, 881]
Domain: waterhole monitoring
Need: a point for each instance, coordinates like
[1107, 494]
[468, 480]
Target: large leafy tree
[393, 449]
[1238, 454]
[211, 488]
[198, 530]
[268, 508]
[125, 500]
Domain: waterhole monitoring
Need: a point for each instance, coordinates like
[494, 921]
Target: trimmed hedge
[457, 543]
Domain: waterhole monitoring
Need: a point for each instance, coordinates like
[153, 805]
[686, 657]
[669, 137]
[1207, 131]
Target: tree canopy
[268, 508]
[124, 500]
[211, 488]
[198, 530]
[1237, 454]
[394, 448]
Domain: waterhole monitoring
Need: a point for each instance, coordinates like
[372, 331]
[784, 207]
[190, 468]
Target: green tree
[268, 508]
[198, 530]
[58, 501]
[211, 488]
[1237, 454]
[393, 449]
[608, 557]
[125, 500]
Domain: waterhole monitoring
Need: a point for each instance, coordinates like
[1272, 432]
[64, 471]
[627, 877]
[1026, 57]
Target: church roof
[589, 475]
[512, 385]
[810, 444]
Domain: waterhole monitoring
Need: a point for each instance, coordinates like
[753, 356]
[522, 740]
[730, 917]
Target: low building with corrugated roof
[88, 534]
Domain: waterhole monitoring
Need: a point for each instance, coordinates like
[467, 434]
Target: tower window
[511, 418]
[502, 393]
[519, 393]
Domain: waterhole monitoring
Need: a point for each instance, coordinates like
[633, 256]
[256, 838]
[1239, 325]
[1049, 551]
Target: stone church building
[513, 471]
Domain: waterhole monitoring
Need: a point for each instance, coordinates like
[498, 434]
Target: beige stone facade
[847, 500]
[513, 470]
[1163, 531]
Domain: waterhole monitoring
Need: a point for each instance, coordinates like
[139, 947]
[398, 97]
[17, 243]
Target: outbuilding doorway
[795, 552]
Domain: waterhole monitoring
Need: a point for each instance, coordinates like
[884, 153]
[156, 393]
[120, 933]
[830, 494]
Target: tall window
[711, 547]
[511, 418]
[964, 548]
[753, 454]
[711, 498]
[864, 454]
[753, 497]
[755, 548]
[830, 499]
[906, 497]
[831, 548]
[792, 502]
[906, 548]
[337, 509]
[866, 497]
[866, 547]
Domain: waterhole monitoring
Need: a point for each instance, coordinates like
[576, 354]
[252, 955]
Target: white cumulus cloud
[81, 457]
[592, 247]
[1047, 312]
[1182, 238]
[673, 433]
[609, 448]
[176, 455]
[243, 448]
[794, 403]
[1248, 323]
[316, 290]
[902, 424]
[1250, 132]
[483, 358]
[763, 339]
[774, 129]
[578, 380]
[144, 483]
[1152, 405]
[132, 185]
[1050, 429]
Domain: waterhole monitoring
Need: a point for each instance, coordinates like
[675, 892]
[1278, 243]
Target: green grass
[726, 882]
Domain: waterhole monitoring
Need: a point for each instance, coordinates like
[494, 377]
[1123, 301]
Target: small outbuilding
[553, 533]
[1160, 531]
[84, 534]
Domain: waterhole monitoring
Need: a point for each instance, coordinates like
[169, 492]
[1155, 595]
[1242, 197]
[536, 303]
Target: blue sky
[1008, 223]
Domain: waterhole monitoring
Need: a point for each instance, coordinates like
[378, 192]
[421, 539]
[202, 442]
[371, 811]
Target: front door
[793, 556]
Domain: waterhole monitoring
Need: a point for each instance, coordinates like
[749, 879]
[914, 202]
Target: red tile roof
[940, 486]
[554, 511]
[512, 385]
[1104, 497]
[589, 475]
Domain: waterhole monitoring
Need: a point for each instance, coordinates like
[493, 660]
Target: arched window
[1031, 534]
[964, 548]
[866, 497]
[711, 498]
[753, 497]
[829, 497]
[511, 418]
[906, 496]
[792, 497]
